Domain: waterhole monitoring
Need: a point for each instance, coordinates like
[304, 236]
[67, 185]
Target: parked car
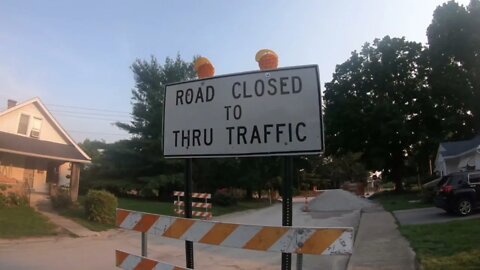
[459, 192]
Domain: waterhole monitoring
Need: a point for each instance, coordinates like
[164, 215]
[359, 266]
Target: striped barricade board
[129, 261]
[305, 240]
[194, 195]
[205, 205]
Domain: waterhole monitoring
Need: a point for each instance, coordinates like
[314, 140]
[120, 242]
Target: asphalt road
[98, 252]
[427, 216]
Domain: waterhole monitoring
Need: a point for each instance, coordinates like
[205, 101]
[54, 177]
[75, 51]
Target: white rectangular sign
[260, 113]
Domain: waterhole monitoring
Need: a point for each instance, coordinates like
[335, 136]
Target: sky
[76, 55]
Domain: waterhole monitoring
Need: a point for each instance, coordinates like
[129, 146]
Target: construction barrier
[180, 204]
[305, 240]
[129, 261]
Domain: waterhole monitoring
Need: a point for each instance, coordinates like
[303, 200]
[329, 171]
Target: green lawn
[448, 246]
[23, 221]
[166, 208]
[77, 214]
[392, 201]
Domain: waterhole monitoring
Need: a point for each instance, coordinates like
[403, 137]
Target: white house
[36, 151]
[458, 156]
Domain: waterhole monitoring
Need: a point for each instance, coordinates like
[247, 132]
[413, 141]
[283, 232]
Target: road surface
[428, 215]
[98, 252]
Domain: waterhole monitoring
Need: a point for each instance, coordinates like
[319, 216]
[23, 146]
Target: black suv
[459, 192]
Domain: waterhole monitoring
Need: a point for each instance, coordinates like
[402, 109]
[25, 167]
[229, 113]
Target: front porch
[27, 174]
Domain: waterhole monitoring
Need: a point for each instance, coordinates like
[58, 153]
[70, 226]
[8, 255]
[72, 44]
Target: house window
[23, 124]
[36, 126]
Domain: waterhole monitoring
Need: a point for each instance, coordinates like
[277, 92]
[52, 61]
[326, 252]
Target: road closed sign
[260, 113]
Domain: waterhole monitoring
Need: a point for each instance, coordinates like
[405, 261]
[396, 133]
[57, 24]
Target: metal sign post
[188, 209]
[287, 206]
[274, 112]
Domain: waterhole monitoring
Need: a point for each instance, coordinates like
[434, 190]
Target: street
[98, 252]
[428, 215]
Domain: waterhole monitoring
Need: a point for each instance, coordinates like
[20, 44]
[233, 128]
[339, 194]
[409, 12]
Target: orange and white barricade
[205, 205]
[304, 240]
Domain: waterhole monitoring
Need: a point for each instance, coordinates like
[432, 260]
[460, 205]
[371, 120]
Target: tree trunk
[397, 174]
[248, 194]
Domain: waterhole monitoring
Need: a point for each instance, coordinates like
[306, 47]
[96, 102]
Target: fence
[206, 206]
[315, 241]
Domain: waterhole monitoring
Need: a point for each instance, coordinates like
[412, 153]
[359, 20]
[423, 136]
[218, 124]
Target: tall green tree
[149, 92]
[375, 103]
[147, 108]
[454, 54]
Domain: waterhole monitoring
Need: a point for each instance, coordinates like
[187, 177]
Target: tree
[340, 169]
[147, 111]
[375, 104]
[148, 94]
[454, 54]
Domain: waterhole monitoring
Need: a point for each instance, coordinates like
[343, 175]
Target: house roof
[451, 149]
[80, 155]
[16, 144]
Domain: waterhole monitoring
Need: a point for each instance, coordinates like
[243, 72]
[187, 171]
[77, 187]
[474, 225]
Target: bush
[100, 206]
[3, 201]
[224, 197]
[12, 199]
[62, 201]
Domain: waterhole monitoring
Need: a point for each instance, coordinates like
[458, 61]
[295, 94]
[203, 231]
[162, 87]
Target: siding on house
[9, 123]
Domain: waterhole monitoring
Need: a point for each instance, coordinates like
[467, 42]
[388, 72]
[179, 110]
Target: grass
[77, 214]
[392, 201]
[448, 246]
[23, 221]
[166, 208]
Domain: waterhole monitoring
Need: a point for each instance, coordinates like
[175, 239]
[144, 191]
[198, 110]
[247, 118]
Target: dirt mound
[338, 200]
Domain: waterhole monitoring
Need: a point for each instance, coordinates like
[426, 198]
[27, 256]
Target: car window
[474, 178]
[451, 180]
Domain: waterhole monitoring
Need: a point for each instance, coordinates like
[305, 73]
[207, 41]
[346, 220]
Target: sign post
[273, 112]
[188, 209]
[287, 206]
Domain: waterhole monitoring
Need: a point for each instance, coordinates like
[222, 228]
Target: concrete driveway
[428, 215]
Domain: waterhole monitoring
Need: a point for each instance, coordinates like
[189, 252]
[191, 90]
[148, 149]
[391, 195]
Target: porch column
[74, 181]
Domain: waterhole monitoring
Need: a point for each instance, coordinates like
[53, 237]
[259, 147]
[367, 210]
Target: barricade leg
[287, 206]
[144, 244]
[188, 209]
[299, 261]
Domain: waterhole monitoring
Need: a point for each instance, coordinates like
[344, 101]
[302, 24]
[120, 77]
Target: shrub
[62, 200]
[100, 206]
[12, 199]
[17, 200]
[3, 201]
[224, 197]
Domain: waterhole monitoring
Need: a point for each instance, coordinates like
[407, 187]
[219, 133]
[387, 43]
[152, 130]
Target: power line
[93, 118]
[94, 132]
[88, 113]
[85, 108]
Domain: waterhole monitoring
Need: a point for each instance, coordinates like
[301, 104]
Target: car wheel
[464, 207]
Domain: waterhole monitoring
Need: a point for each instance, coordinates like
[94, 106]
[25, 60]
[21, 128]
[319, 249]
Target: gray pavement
[379, 245]
[427, 216]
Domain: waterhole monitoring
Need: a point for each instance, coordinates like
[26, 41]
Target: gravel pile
[338, 200]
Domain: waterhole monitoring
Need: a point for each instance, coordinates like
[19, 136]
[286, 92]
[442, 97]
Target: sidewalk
[379, 245]
[42, 204]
